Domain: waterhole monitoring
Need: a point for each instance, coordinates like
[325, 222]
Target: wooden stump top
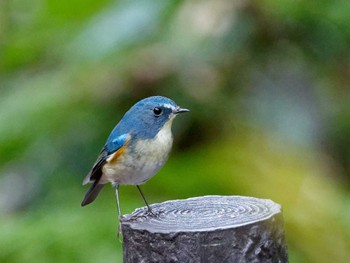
[204, 213]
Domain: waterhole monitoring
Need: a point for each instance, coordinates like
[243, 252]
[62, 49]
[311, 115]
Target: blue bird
[136, 149]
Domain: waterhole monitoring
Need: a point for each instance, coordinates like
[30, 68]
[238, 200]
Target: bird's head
[149, 115]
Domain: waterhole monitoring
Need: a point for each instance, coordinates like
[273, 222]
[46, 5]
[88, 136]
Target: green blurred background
[267, 83]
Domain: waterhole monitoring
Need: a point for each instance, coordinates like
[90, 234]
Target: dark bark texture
[215, 229]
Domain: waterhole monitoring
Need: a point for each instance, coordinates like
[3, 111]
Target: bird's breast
[141, 160]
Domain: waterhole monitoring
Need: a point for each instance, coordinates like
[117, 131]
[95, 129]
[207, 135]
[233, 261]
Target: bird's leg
[149, 210]
[116, 187]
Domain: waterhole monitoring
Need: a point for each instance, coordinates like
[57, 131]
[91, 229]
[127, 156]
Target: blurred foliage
[267, 83]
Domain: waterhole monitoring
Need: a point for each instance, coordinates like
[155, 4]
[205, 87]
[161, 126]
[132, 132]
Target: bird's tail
[92, 193]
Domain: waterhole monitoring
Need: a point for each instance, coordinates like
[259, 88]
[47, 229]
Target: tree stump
[215, 229]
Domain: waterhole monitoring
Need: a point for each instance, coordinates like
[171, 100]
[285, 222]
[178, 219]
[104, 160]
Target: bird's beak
[180, 110]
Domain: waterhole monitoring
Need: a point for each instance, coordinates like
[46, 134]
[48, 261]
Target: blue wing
[111, 147]
[114, 144]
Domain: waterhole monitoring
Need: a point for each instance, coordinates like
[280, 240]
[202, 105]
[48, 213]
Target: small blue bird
[136, 149]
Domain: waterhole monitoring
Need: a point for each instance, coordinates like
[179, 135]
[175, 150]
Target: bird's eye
[157, 111]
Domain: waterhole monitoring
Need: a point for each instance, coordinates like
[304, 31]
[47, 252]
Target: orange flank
[115, 156]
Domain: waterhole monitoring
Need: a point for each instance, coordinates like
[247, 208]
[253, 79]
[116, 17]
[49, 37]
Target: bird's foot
[152, 213]
[149, 213]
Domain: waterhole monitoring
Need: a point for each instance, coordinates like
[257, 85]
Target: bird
[136, 149]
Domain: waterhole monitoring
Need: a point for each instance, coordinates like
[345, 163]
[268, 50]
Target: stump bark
[215, 229]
